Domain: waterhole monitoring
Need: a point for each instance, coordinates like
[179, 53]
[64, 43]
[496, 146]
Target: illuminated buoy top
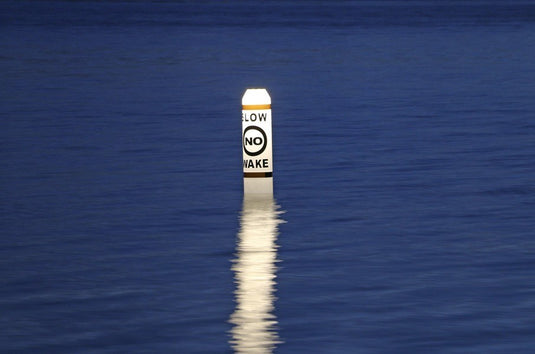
[256, 99]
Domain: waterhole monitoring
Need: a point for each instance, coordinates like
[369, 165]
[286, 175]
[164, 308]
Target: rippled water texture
[403, 143]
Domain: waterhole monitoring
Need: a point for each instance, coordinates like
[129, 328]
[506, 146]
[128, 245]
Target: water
[404, 138]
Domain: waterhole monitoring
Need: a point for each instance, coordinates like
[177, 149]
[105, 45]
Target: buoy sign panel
[254, 140]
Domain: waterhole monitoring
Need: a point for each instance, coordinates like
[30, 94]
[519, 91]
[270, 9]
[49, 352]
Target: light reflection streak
[254, 322]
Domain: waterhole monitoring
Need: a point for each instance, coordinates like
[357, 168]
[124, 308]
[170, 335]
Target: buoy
[257, 144]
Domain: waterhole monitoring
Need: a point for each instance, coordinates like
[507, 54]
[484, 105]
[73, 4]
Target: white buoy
[256, 142]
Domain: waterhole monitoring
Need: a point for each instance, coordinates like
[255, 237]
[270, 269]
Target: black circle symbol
[244, 142]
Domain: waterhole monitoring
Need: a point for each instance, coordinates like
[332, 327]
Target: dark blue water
[404, 147]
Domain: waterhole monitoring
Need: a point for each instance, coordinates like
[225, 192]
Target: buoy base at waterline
[258, 185]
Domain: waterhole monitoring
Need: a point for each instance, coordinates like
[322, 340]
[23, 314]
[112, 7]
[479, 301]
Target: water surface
[404, 138]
